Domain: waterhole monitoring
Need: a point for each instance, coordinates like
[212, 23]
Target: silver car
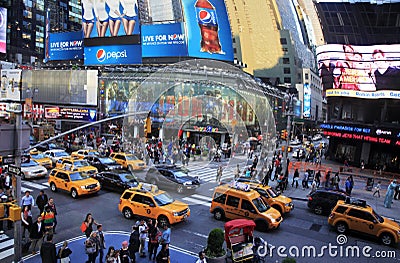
[32, 170]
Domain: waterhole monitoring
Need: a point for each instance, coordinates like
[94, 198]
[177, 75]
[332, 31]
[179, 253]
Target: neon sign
[360, 137]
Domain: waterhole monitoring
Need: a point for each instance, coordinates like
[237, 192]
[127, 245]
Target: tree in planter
[215, 243]
[289, 260]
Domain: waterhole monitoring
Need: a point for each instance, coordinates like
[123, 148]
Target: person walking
[91, 247]
[26, 220]
[27, 200]
[64, 252]
[296, 177]
[48, 251]
[89, 221]
[202, 257]
[53, 209]
[237, 172]
[154, 236]
[389, 194]
[305, 180]
[219, 174]
[336, 181]
[142, 237]
[124, 254]
[348, 186]
[134, 243]
[327, 179]
[102, 242]
[318, 178]
[48, 220]
[41, 201]
[166, 235]
[36, 235]
[377, 189]
[396, 192]
[163, 255]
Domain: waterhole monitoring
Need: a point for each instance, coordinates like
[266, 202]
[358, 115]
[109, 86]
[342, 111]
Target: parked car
[323, 201]
[117, 180]
[103, 163]
[172, 176]
[32, 170]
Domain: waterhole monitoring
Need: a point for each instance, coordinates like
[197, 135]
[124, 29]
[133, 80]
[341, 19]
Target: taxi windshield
[260, 205]
[163, 199]
[78, 176]
[38, 156]
[81, 163]
[272, 192]
[30, 164]
[127, 177]
[60, 154]
[107, 160]
[380, 219]
[131, 158]
[179, 174]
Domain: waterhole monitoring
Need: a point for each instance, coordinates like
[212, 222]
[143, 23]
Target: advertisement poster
[164, 40]
[79, 114]
[110, 18]
[52, 112]
[66, 46]
[370, 72]
[117, 95]
[113, 55]
[10, 84]
[208, 29]
[3, 30]
[307, 101]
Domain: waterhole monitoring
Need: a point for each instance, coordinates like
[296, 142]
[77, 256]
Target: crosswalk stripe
[46, 184]
[24, 189]
[196, 202]
[201, 197]
[7, 243]
[6, 253]
[34, 185]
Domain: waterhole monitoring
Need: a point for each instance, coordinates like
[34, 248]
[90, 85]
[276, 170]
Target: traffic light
[147, 126]
[283, 134]
[15, 213]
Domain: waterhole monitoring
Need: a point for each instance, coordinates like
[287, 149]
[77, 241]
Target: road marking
[6, 244]
[6, 253]
[194, 233]
[201, 197]
[196, 202]
[46, 184]
[34, 185]
[23, 189]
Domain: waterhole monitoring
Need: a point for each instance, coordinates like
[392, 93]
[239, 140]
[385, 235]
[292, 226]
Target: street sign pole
[17, 225]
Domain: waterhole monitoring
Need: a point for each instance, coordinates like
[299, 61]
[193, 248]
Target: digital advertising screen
[370, 72]
[66, 46]
[208, 29]
[10, 84]
[307, 101]
[113, 55]
[108, 19]
[164, 40]
[78, 114]
[3, 30]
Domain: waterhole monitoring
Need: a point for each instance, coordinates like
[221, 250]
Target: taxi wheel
[179, 189]
[53, 187]
[261, 226]
[219, 214]
[341, 227]
[128, 214]
[74, 193]
[318, 210]
[163, 220]
[387, 239]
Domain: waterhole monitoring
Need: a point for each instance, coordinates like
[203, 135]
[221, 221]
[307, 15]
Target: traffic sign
[25, 158]
[15, 170]
[8, 160]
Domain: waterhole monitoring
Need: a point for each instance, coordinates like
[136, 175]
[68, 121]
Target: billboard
[208, 29]
[113, 55]
[79, 114]
[3, 29]
[10, 84]
[110, 18]
[371, 72]
[164, 40]
[307, 101]
[65, 46]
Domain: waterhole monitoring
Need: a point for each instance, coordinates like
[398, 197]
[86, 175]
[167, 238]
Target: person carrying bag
[64, 252]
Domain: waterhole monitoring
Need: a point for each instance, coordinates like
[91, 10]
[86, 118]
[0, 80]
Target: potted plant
[215, 253]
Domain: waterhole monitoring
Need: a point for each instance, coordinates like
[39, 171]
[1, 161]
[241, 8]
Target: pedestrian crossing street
[207, 174]
[6, 246]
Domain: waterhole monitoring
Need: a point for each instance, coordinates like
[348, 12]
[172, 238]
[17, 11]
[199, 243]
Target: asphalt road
[301, 228]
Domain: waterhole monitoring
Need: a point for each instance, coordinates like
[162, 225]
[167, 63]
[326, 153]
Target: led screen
[3, 29]
[66, 46]
[371, 72]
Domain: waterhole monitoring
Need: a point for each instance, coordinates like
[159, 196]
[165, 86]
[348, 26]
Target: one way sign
[14, 169]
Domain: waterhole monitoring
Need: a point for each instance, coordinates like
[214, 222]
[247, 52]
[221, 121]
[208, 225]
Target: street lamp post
[290, 99]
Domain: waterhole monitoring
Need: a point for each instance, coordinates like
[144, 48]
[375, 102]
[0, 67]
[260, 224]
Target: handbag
[83, 227]
[90, 250]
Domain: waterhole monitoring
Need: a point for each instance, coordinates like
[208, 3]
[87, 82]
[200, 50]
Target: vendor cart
[239, 240]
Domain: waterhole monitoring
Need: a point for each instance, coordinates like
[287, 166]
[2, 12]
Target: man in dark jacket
[48, 251]
[41, 201]
[36, 234]
[134, 242]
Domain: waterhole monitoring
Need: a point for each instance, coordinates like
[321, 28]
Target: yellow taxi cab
[77, 165]
[146, 200]
[74, 182]
[80, 154]
[273, 198]
[238, 201]
[41, 159]
[355, 215]
[128, 161]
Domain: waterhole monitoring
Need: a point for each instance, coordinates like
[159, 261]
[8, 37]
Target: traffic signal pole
[18, 151]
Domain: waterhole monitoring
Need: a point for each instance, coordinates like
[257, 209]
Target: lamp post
[290, 99]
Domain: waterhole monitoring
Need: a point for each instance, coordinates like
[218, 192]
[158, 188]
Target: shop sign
[205, 129]
[358, 137]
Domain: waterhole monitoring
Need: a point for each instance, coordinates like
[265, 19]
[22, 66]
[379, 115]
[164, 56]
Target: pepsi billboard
[3, 30]
[164, 40]
[66, 46]
[208, 29]
[113, 55]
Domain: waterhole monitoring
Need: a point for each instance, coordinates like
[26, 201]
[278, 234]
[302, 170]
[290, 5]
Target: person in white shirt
[101, 16]
[202, 257]
[115, 16]
[28, 200]
[129, 15]
[143, 229]
[87, 17]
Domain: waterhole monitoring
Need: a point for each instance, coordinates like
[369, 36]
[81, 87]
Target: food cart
[239, 240]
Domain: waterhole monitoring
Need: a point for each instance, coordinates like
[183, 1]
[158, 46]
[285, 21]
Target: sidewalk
[113, 238]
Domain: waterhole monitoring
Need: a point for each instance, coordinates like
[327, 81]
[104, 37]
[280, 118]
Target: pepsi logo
[205, 16]
[101, 55]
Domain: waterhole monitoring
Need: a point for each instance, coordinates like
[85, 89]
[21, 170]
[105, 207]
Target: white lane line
[196, 202]
[6, 253]
[6, 244]
[34, 185]
[23, 189]
[201, 197]
[46, 184]
[195, 233]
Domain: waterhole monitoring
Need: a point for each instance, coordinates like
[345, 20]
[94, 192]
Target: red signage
[360, 137]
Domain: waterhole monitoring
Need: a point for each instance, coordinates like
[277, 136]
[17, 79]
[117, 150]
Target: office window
[283, 41]
[286, 61]
[287, 80]
[306, 76]
[286, 70]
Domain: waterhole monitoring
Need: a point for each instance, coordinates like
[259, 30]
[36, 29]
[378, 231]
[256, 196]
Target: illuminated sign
[205, 129]
[358, 137]
[80, 114]
[66, 46]
[52, 112]
[368, 72]
[3, 30]
[339, 127]
[113, 55]
[307, 101]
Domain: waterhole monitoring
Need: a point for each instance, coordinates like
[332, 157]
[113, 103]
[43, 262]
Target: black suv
[103, 163]
[117, 180]
[323, 201]
[172, 176]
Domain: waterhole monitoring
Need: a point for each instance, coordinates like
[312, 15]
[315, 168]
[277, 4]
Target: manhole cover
[315, 227]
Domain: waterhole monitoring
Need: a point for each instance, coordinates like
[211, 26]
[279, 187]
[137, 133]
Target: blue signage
[346, 128]
[208, 29]
[65, 46]
[164, 40]
[307, 101]
[113, 55]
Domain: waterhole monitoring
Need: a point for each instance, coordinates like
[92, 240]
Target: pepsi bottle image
[207, 19]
